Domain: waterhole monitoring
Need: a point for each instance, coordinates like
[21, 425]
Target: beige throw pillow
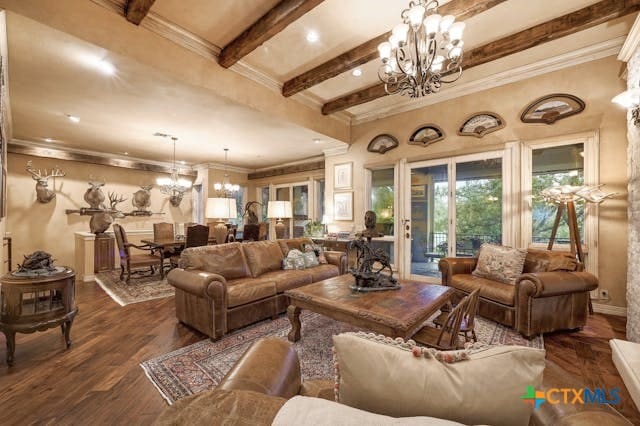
[500, 263]
[387, 378]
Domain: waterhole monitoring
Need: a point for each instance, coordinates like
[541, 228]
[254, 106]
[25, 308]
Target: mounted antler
[115, 199]
[43, 193]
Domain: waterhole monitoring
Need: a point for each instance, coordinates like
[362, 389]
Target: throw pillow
[319, 252]
[310, 259]
[549, 261]
[500, 263]
[294, 260]
[407, 381]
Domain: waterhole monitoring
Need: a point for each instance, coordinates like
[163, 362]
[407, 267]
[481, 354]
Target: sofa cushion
[247, 290]
[286, 280]
[549, 261]
[294, 243]
[408, 381]
[227, 260]
[489, 289]
[304, 410]
[500, 263]
[322, 272]
[263, 256]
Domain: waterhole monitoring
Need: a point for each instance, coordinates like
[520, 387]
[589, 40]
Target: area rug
[139, 288]
[201, 366]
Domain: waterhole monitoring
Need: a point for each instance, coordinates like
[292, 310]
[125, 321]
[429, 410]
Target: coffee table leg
[293, 312]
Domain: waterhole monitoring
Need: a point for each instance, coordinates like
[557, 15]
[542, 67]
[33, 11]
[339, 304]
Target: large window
[239, 196]
[299, 196]
[382, 202]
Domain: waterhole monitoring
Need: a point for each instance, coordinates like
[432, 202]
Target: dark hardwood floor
[99, 380]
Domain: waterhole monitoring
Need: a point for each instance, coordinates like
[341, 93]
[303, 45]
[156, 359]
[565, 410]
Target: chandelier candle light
[422, 52]
[225, 188]
[173, 186]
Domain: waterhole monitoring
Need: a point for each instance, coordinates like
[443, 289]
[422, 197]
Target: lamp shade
[221, 208]
[279, 209]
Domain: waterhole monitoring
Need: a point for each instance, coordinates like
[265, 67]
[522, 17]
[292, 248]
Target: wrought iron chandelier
[423, 52]
[173, 186]
[225, 188]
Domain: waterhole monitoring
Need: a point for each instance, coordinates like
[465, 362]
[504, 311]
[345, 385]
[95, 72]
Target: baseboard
[610, 310]
[88, 278]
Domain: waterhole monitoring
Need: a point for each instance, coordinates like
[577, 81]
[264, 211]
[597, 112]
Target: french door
[301, 198]
[451, 207]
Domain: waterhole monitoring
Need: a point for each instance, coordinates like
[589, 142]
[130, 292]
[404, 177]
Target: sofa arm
[450, 266]
[547, 284]
[199, 283]
[338, 258]
[270, 366]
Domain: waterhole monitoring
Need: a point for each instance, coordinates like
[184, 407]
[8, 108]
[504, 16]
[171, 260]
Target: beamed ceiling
[269, 38]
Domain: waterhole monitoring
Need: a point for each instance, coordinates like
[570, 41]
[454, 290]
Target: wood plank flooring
[98, 381]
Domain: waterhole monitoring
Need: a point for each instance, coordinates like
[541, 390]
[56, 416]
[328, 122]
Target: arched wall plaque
[382, 143]
[481, 124]
[552, 108]
[426, 135]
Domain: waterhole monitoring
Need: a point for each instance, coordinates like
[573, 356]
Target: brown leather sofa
[268, 374]
[227, 286]
[551, 294]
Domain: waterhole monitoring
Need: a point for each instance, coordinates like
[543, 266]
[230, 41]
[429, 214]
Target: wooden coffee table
[394, 313]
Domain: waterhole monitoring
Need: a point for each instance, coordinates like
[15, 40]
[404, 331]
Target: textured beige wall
[595, 82]
[36, 226]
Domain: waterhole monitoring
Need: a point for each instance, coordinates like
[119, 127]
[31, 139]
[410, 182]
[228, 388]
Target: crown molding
[577, 57]
[332, 152]
[632, 42]
[314, 159]
[222, 167]
[20, 146]
[190, 41]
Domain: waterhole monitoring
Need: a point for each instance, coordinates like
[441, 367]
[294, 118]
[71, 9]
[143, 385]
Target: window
[239, 197]
[382, 201]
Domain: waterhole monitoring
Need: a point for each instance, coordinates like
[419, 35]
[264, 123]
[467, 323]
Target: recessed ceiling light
[105, 67]
[316, 140]
[183, 162]
[73, 118]
[125, 153]
[48, 140]
[312, 36]
[357, 72]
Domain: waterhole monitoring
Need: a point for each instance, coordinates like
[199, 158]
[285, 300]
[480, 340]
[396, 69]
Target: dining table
[164, 247]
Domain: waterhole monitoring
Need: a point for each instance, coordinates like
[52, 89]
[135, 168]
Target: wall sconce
[630, 99]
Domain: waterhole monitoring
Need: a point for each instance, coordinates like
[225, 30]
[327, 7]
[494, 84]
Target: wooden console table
[36, 303]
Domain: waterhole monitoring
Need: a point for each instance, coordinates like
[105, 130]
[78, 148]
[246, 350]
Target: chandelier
[173, 186]
[225, 188]
[422, 52]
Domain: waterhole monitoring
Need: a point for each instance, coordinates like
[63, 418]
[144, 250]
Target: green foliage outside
[382, 203]
[544, 213]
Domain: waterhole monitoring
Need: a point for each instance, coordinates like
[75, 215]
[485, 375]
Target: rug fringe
[109, 292]
[148, 374]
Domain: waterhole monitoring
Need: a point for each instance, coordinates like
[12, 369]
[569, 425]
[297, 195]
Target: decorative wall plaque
[552, 108]
[382, 143]
[481, 124]
[426, 135]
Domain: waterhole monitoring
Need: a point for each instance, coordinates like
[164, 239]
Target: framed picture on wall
[342, 175]
[343, 206]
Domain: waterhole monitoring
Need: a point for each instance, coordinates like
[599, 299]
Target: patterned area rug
[139, 289]
[201, 366]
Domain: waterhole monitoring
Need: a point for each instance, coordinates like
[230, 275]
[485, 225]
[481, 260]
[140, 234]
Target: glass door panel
[478, 205]
[284, 194]
[429, 218]
[300, 207]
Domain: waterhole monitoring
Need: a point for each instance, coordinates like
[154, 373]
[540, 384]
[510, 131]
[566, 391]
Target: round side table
[30, 303]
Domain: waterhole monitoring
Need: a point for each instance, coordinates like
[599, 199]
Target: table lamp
[221, 209]
[279, 210]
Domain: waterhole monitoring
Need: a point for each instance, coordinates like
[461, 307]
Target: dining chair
[197, 236]
[163, 231]
[467, 326]
[128, 261]
[444, 338]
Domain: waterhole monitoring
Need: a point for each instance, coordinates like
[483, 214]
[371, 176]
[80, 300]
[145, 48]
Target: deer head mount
[94, 195]
[43, 193]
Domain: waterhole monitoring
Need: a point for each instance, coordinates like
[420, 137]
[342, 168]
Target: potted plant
[314, 228]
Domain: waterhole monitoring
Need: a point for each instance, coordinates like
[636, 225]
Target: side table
[30, 303]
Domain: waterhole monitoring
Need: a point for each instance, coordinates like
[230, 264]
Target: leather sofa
[268, 374]
[223, 287]
[551, 294]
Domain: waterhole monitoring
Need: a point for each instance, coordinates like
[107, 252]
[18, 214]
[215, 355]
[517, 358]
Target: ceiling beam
[136, 10]
[280, 171]
[596, 14]
[368, 51]
[270, 24]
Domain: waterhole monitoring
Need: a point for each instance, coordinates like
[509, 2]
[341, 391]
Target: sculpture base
[374, 282]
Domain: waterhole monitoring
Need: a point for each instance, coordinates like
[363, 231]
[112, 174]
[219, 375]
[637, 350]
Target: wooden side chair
[129, 262]
[468, 319]
[163, 231]
[444, 338]
[197, 235]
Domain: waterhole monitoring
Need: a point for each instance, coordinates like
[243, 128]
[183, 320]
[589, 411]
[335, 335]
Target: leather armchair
[540, 302]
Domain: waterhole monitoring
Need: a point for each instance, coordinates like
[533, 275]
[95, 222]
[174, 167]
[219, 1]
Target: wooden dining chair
[467, 326]
[163, 231]
[197, 235]
[129, 262]
[444, 338]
